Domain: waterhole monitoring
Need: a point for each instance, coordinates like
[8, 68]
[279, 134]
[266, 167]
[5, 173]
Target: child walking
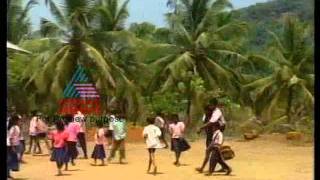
[151, 133]
[33, 132]
[178, 143]
[214, 150]
[59, 139]
[43, 132]
[73, 128]
[119, 130]
[13, 142]
[100, 139]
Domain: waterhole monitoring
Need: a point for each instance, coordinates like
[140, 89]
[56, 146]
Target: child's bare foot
[199, 170]
[155, 170]
[122, 161]
[102, 164]
[73, 164]
[228, 171]
[59, 172]
[92, 164]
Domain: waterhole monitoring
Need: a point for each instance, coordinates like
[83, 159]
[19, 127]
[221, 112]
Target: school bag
[227, 153]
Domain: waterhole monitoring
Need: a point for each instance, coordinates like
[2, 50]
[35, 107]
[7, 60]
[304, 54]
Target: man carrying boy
[214, 150]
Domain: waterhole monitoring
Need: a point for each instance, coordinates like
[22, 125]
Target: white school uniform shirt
[177, 129]
[153, 132]
[217, 116]
[33, 126]
[159, 121]
[217, 137]
[14, 136]
[79, 118]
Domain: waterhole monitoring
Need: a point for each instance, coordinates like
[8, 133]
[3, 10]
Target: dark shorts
[151, 150]
[42, 135]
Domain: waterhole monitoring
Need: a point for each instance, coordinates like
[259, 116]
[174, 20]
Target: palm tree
[290, 59]
[204, 37]
[18, 21]
[84, 32]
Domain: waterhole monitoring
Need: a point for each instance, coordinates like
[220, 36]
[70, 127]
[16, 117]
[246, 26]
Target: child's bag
[227, 153]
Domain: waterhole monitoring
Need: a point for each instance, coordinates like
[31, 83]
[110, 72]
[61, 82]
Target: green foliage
[208, 50]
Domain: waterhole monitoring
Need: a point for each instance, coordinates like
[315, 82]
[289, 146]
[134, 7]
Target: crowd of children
[70, 131]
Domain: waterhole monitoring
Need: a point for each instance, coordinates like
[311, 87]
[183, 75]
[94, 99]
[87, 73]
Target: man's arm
[204, 126]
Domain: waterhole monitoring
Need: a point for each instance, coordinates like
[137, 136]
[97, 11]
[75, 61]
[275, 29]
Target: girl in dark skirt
[59, 153]
[98, 151]
[178, 143]
[73, 128]
[13, 143]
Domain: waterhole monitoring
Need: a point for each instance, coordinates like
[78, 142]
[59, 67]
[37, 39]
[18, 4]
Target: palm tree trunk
[289, 104]
[188, 120]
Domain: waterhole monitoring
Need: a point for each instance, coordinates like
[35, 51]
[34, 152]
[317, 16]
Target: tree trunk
[288, 110]
[188, 111]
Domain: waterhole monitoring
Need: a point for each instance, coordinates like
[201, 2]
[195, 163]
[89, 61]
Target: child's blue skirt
[12, 159]
[59, 155]
[179, 145]
[98, 152]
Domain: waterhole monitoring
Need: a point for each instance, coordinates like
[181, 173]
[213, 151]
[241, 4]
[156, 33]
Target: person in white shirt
[33, 132]
[214, 151]
[151, 133]
[161, 123]
[13, 142]
[216, 116]
[80, 118]
[42, 133]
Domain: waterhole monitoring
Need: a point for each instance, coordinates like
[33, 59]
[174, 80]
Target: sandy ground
[266, 158]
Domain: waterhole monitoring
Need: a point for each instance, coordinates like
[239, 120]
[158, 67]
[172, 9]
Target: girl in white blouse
[151, 133]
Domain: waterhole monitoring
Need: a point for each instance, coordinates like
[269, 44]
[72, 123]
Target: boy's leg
[115, 146]
[216, 157]
[83, 144]
[37, 141]
[154, 161]
[23, 147]
[47, 144]
[163, 137]
[122, 150]
[221, 161]
[31, 139]
[150, 160]
[209, 138]
[206, 158]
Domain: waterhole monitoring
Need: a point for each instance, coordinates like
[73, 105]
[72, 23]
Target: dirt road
[266, 158]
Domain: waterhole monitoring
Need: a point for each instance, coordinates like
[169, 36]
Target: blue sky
[140, 10]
